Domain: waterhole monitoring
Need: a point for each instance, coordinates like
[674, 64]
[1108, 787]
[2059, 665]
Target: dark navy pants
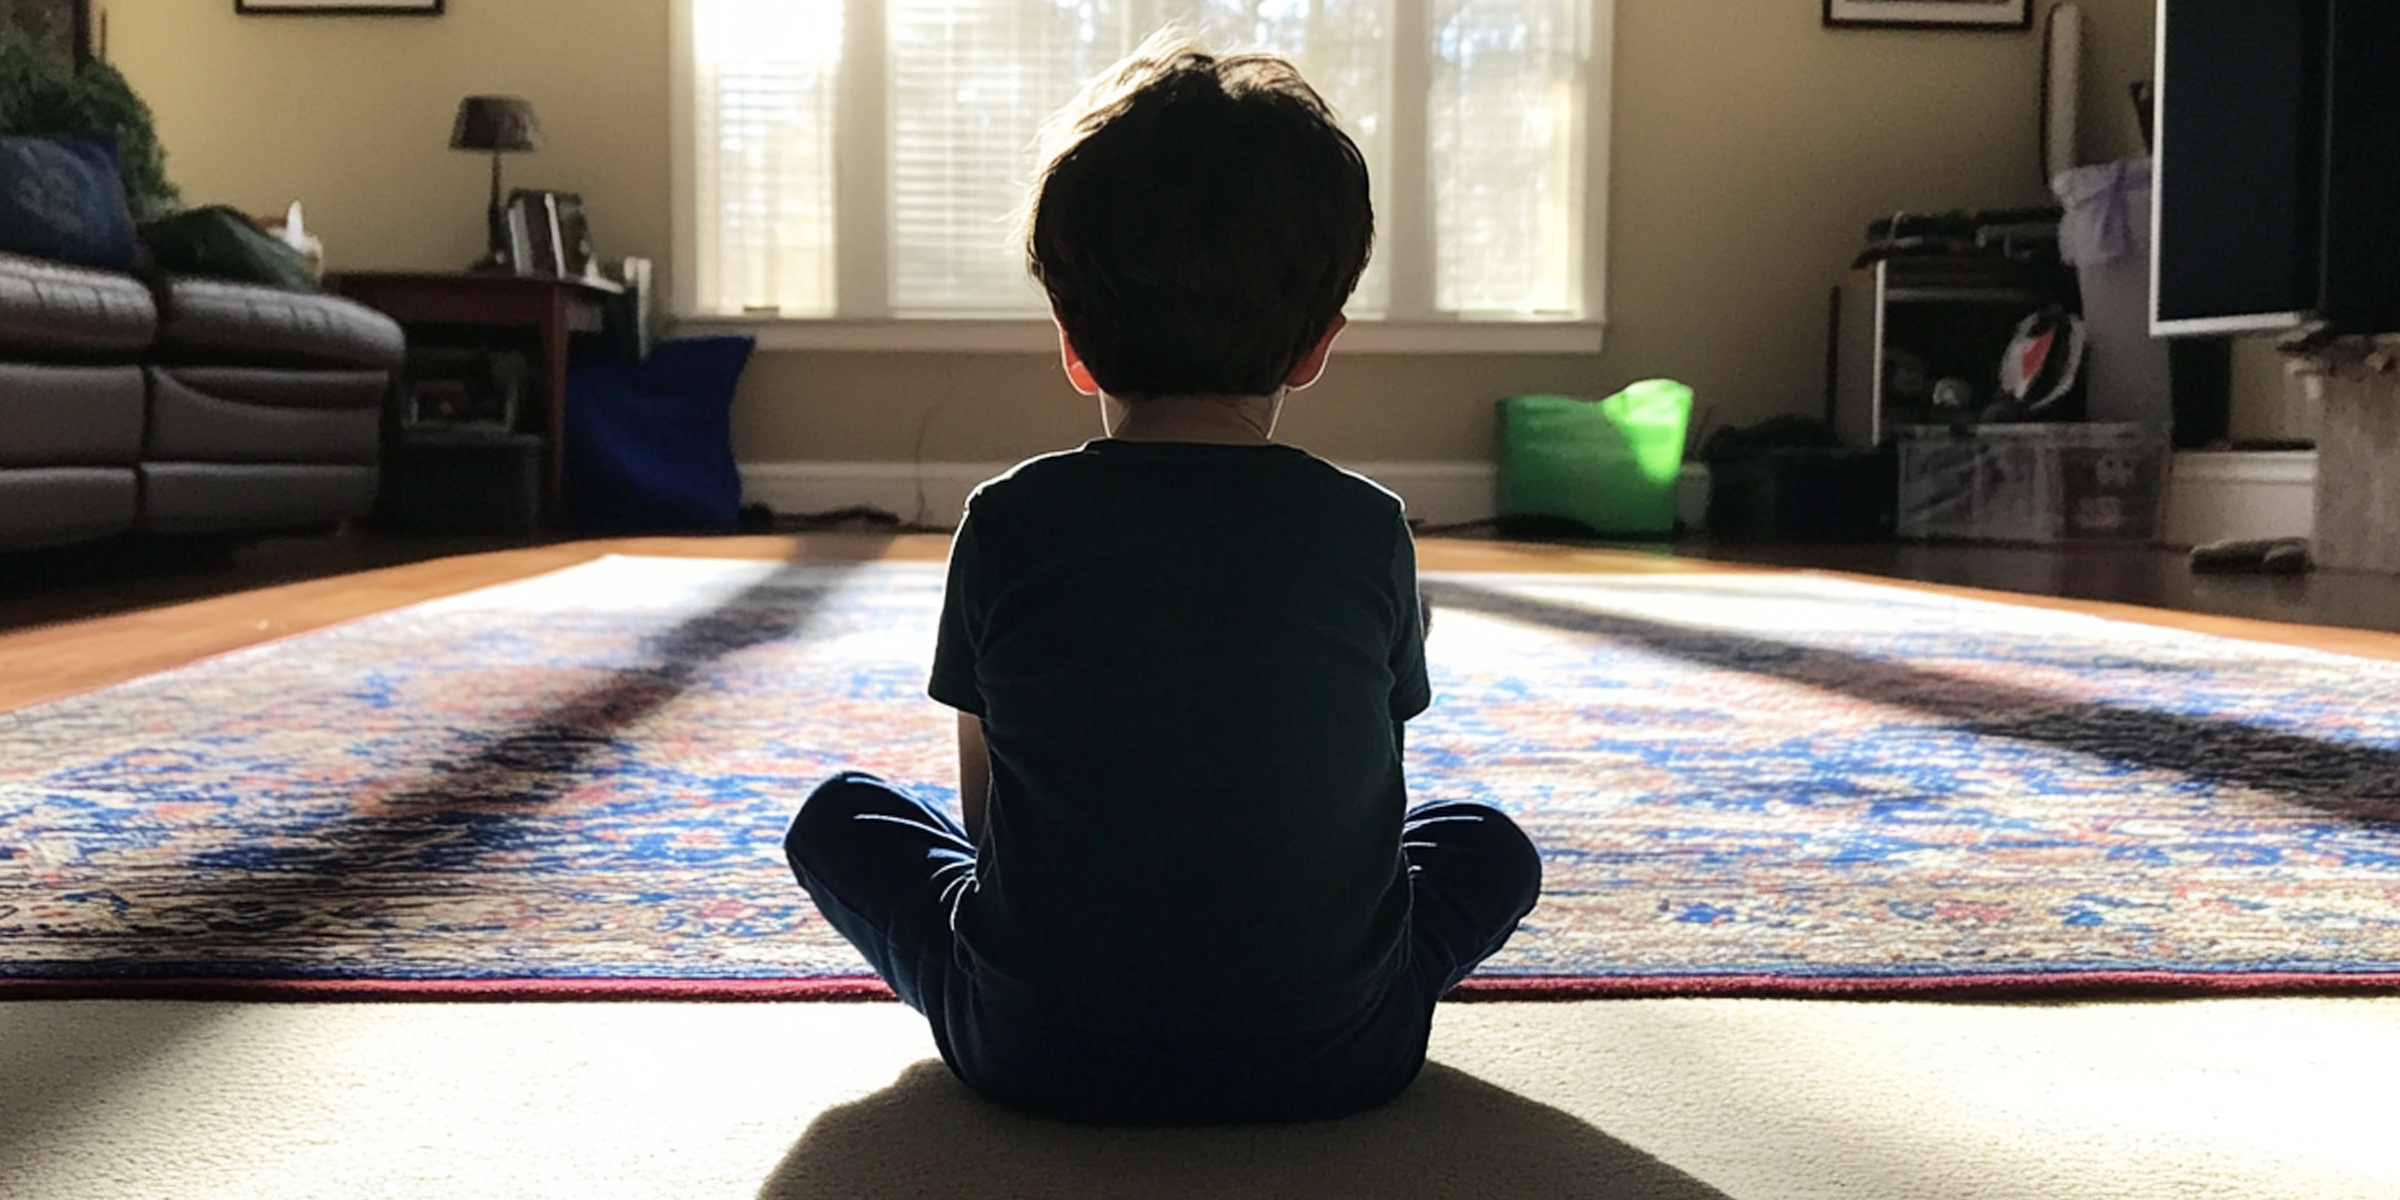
[886, 868]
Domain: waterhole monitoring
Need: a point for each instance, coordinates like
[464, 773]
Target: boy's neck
[1221, 420]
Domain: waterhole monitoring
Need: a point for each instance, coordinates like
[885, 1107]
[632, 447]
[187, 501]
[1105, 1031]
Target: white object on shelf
[2106, 238]
[2062, 91]
[294, 233]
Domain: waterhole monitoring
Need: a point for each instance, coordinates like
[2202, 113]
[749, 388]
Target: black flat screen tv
[2276, 187]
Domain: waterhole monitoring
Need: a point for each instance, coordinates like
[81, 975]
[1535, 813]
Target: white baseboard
[917, 493]
[2210, 496]
[2213, 497]
[1437, 493]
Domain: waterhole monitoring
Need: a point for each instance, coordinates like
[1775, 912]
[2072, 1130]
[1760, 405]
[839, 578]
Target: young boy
[1186, 889]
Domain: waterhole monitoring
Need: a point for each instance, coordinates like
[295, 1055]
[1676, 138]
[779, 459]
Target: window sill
[1019, 336]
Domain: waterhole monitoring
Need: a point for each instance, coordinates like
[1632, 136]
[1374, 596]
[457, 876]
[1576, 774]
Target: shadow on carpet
[927, 1137]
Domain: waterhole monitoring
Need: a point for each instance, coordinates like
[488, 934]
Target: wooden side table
[545, 309]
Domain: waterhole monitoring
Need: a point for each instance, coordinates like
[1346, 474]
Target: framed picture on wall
[59, 26]
[370, 8]
[1930, 14]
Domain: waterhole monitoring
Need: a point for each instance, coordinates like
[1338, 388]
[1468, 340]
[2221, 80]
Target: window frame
[865, 320]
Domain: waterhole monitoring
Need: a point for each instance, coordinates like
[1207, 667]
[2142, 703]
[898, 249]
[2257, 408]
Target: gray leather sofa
[183, 406]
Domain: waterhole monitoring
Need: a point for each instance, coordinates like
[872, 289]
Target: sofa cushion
[51, 506]
[60, 198]
[69, 416]
[230, 415]
[51, 310]
[287, 387]
[219, 321]
[251, 497]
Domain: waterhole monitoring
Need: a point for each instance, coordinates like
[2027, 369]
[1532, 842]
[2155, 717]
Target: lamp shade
[495, 123]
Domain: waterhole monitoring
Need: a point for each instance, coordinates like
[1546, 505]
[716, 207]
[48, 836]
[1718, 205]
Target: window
[859, 162]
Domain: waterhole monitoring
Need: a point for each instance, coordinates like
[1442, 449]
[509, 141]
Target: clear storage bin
[2032, 483]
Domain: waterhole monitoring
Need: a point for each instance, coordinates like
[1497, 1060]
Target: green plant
[42, 92]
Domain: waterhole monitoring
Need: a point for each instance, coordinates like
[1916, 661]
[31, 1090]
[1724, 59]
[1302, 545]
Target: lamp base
[495, 221]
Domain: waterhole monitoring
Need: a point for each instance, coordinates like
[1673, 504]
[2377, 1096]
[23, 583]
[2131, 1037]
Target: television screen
[2238, 190]
[2277, 180]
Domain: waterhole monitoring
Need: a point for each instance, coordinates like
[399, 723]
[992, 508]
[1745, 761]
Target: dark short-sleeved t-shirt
[1191, 662]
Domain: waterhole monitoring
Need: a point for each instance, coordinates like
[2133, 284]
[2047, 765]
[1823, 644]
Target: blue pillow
[61, 199]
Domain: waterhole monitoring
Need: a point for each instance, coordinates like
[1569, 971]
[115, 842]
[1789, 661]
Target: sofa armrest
[54, 311]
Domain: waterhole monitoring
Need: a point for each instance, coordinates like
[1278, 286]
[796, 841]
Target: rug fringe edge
[2090, 985]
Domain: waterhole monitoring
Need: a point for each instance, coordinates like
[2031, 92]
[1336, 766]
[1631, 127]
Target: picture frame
[63, 27]
[576, 259]
[1997, 16]
[537, 242]
[548, 234]
[355, 8]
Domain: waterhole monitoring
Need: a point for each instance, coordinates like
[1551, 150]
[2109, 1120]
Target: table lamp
[501, 125]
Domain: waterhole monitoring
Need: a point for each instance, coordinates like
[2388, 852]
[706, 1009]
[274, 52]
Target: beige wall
[351, 115]
[1751, 148]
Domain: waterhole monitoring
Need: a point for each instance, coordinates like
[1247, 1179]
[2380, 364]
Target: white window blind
[1506, 164]
[1476, 135]
[764, 78]
[971, 81]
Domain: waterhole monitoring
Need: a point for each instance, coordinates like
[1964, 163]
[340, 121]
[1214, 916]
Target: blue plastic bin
[650, 444]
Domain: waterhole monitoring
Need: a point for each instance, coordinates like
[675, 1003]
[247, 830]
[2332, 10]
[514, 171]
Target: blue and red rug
[1754, 784]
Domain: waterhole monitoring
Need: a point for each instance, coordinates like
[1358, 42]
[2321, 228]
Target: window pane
[973, 81]
[1505, 160]
[764, 80]
[1342, 48]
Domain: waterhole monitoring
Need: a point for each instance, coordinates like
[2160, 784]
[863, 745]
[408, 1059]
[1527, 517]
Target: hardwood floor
[75, 620]
[71, 631]
[2155, 577]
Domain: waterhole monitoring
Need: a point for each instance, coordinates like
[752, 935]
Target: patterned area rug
[1743, 784]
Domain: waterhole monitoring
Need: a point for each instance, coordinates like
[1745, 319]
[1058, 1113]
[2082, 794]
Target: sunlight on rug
[1754, 784]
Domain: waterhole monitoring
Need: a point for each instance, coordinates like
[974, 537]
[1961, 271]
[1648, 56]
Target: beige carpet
[1758, 1100]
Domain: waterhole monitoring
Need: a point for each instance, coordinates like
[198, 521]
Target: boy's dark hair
[1201, 225]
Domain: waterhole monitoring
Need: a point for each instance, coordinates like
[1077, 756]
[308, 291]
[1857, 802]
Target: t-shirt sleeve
[955, 646]
[1412, 692]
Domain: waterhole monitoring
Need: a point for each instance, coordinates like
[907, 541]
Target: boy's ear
[1312, 364]
[1077, 373]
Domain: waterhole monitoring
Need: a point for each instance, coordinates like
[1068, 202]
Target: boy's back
[1190, 661]
[1186, 886]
